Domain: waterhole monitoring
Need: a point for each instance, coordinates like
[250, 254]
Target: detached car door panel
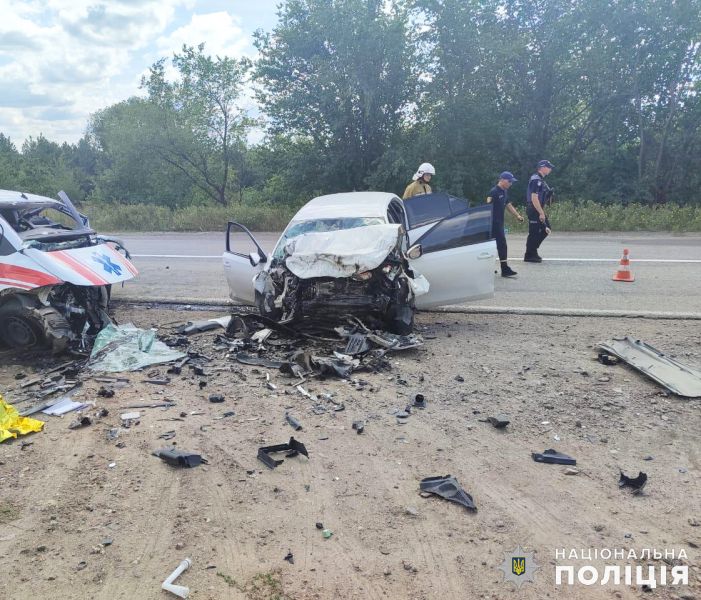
[457, 258]
[239, 270]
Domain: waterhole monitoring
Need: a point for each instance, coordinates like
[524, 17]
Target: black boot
[507, 271]
[534, 258]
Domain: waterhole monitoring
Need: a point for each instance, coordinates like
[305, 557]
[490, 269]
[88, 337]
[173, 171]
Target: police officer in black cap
[538, 225]
[498, 198]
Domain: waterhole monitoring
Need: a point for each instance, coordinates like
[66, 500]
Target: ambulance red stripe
[17, 284]
[31, 277]
[81, 269]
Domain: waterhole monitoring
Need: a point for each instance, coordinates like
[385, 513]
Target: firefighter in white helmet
[420, 183]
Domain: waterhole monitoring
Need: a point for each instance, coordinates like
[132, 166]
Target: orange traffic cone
[623, 273]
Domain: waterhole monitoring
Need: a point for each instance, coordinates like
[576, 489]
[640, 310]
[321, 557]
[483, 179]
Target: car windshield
[297, 228]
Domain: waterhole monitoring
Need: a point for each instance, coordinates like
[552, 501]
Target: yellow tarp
[11, 423]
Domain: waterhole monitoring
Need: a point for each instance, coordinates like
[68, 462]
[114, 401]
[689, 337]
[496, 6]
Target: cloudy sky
[61, 60]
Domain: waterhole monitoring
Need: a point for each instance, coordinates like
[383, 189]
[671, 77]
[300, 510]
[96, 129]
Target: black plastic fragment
[293, 448]
[448, 487]
[637, 483]
[608, 359]
[216, 398]
[179, 458]
[499, 422]
[357, 344]
[419, 401]
[359, 426]
[553, 457]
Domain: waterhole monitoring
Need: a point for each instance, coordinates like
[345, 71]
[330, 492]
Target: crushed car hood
[94, 265]
[341, 253]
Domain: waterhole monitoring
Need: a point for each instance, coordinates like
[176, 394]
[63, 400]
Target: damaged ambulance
[55, 272]
[366, 254]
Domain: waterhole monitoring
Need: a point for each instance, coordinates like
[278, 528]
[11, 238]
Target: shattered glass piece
[128, 348]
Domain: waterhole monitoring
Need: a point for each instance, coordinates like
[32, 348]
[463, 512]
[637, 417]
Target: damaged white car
[55, 272]
[367, 254]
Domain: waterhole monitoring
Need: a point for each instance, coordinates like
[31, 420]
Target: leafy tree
[202, 129]
[336, 76]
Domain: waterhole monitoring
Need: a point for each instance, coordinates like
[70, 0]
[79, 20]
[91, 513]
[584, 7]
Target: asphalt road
[576, 273]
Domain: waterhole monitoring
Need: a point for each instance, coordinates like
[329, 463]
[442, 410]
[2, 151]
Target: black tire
[19, 328]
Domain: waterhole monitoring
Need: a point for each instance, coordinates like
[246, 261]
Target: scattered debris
[179, 590]
[83, 421]
[179, 458]
[419, 401]
[104, 392]
[216, 398]
[607, 359]
[290, 557]
[571, 471]
[636, 483]
[678, 378]
[164, 381]
[402, 417]
[293, 448]
[294, 423]
[168, 435]
[198, 327]
[359, 426]
[63, 406]
[448, 487]
[327, 533]
[499, 421]
[553, 457]
[128, 418]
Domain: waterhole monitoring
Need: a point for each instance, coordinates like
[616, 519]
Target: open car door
[243, 260]
[457, 257]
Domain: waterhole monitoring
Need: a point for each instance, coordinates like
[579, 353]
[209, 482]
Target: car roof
[13, 200]
[346, 204]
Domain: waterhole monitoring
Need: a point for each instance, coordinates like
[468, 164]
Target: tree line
[355, 94]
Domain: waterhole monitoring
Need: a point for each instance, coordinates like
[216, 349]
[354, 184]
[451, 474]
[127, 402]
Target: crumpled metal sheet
[678, 378]
[341, 253]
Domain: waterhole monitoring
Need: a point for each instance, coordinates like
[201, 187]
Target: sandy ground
[61, 501]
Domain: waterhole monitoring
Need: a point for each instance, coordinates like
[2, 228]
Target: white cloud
[61, 60]
[220, 31]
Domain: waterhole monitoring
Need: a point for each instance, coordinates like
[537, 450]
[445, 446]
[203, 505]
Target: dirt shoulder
[237, 520]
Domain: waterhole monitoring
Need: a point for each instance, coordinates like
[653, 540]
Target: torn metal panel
[341, 253]
[678, 378]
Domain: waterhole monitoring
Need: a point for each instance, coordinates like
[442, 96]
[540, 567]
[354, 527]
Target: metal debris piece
[678, 378]
[553, 457]
[637, 483]
[448, 487]
[294, 423]
[179, 458]
[256, 361]
[293, 448]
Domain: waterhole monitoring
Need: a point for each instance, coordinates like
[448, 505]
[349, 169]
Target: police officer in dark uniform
[538, 224]
[498, 198]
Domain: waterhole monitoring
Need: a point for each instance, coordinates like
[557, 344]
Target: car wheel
[18, 329]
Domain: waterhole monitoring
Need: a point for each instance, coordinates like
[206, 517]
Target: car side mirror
[256, 259]
[416, 251]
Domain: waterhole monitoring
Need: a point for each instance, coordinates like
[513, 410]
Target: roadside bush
[564, 216]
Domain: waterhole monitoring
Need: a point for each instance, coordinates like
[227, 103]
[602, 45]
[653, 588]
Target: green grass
[144, 217]
[564, 216]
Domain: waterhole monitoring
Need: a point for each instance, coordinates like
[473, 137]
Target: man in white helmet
[420, 182]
